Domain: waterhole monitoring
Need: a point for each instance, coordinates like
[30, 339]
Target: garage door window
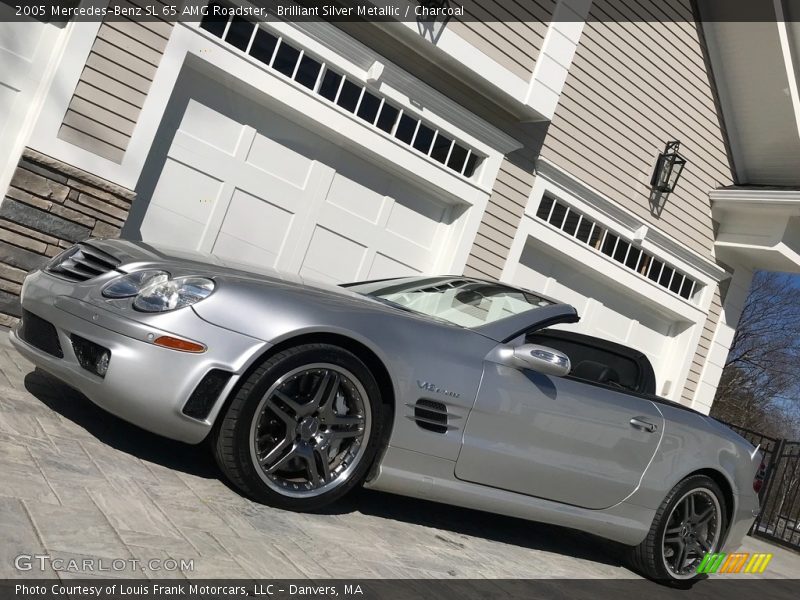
[286, 58]
[603, 240]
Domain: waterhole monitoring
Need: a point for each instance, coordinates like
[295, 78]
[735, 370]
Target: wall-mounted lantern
[668, 169]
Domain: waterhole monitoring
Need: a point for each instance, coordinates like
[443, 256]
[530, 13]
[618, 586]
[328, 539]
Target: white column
[723, 337]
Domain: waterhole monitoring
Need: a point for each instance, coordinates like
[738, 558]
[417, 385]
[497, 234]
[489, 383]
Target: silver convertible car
[452, 389]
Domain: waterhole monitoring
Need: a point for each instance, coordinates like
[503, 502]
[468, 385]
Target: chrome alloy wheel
[693, 530]
[310, 430]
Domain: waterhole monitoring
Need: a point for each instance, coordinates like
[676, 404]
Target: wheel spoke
[321, 451]
[680, 557]
[306, 453]
[300, 410]
[690, 506]
[346, 420]
[704, 517]
[270, 456]
[323, 397]
[343, 434]
[281, 413]
[673, 539]
[281, 462]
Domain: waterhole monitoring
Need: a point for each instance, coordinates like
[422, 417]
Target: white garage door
[605, 310]
[246, 183]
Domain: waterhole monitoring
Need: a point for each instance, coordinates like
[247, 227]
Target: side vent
[431, 415]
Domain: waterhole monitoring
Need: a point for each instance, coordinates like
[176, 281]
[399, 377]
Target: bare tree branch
[760, 384]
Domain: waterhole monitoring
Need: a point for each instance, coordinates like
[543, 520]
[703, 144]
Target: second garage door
[244, 182]
[605, 310]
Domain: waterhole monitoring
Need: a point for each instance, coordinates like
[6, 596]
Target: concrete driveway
[79, 484]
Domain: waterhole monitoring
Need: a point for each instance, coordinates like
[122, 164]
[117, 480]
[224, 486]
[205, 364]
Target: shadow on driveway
[198, 461]
[119, 434]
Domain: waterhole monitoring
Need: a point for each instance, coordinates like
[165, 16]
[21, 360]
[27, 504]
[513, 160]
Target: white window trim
[612, 215]
[675, 307]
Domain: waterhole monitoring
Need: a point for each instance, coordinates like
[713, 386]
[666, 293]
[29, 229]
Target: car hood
[132, 254]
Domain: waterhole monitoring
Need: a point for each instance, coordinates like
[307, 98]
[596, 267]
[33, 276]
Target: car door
[558, 438]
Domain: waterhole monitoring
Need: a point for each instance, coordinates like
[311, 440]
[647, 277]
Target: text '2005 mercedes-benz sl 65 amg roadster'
[453, 389]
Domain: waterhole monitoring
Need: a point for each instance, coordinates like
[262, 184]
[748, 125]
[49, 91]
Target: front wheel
[689, 524]
[303, 428]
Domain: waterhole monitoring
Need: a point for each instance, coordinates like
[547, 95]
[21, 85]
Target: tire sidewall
[276, 368]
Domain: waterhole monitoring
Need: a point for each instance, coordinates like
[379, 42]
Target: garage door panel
[187, 191]
[237, 249]
[170, 228]
[279, 161]
[359, 200]
[211, 127]
[610, 324]
[416, 220]
[384, 267]
[374, 236]
[333, 257]
[254, 226]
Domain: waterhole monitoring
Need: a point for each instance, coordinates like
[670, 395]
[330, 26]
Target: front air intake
[206, 394]
[431, 415]
[82, 262]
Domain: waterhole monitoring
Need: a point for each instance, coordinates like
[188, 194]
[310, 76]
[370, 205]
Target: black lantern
[668, 169]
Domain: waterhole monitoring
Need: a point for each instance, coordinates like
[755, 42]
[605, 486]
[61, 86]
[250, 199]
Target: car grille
[431, 416]
[40, 334]
[82, 262]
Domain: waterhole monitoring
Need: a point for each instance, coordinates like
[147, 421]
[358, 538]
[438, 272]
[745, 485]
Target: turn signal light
[174, 343]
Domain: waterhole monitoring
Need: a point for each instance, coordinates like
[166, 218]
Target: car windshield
[459, 300]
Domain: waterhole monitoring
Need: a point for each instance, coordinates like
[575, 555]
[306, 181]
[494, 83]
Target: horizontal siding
[701, 353]
[633, 86]
[509, 31]
[112, 89]
[503, 215]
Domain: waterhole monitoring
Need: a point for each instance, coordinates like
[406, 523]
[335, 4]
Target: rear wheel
[689, 524]
[303, 428]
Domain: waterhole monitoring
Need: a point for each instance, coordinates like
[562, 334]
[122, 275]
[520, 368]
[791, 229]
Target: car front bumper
[145, 384]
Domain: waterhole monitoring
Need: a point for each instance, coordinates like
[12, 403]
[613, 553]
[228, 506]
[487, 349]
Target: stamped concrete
[79, 485]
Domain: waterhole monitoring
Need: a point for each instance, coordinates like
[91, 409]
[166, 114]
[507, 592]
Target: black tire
[650, 558]
[234, 436]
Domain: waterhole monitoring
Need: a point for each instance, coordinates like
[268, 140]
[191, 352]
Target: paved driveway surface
[77, 483]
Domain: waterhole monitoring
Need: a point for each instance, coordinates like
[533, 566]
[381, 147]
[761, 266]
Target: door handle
[640, 423]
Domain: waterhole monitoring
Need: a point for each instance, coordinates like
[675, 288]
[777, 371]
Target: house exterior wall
[510, 33]
[632, 87]
[629, 88]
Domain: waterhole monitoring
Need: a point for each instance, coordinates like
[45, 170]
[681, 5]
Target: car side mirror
[542, 359]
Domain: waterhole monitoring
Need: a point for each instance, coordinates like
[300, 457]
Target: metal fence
[779, 519]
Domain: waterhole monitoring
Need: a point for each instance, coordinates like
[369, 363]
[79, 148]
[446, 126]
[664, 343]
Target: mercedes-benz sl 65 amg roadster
[453, 389]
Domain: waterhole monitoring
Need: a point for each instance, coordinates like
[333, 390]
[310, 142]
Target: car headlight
[130, 285]
[161, 296]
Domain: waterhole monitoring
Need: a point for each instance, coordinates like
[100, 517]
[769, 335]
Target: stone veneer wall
[48, 207]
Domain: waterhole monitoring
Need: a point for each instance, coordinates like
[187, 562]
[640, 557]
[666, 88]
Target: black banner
[657, 11]
[723, 588]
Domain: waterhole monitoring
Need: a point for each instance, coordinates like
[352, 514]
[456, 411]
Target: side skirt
[418, 475]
